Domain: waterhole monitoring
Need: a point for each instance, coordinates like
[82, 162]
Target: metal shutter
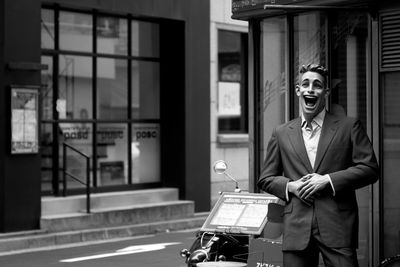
[390, 40]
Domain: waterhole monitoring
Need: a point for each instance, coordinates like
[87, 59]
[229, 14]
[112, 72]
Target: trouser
[309, 257]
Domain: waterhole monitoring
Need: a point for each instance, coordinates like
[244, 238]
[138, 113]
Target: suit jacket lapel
[328, 131]
[297, 141]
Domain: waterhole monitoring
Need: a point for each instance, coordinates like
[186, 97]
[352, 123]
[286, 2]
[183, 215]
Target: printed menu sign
[229, 99]
[244, 213]
[24, 120]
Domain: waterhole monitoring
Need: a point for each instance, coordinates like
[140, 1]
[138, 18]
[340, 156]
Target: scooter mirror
[220, 167]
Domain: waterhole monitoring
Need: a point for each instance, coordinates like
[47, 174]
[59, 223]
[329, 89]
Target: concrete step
[11, 243]
[122, 215]
[73, 204]
[113, 215]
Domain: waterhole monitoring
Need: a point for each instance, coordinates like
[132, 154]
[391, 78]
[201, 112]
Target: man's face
[312, 92]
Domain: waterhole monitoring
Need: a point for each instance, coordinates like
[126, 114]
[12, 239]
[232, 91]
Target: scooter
[210, 246]
[220, 246]
[213, 246]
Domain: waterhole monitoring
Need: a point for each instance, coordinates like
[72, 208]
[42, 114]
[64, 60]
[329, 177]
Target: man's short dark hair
[315, 68]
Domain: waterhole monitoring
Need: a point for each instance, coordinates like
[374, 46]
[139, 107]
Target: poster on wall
[229, 99]
[24, 120]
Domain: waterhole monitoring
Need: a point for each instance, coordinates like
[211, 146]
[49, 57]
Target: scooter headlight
[197, 256]
[185, 253]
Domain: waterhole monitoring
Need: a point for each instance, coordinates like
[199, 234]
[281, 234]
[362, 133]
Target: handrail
[65, 173]
[74, 177]
[76, 150]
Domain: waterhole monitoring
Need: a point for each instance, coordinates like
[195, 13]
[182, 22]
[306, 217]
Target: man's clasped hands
[308, 186]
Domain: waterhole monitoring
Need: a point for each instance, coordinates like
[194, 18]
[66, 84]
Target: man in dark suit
[315, 163]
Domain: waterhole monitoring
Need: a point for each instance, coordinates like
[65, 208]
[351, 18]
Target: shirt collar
[319, 119]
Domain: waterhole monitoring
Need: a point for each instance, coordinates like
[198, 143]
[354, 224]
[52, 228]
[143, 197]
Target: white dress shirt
[311, 134]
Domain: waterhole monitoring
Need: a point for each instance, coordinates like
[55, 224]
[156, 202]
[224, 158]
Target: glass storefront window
[46, 152]
[391, 159]
[145, 153]
[75, 87]
[310, 44]
[273, 78]
[145, 39]
[112, 154]
[47, 88]
[79, 136]
[47, 26]
[145, 90]
[232, 87]
[112, 35]
[126, 65]
[76, 31]
[112, 88]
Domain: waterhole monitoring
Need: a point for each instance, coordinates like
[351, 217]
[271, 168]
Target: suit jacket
[345, 153]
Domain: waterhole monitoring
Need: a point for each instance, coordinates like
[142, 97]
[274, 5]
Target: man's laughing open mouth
[310, 101]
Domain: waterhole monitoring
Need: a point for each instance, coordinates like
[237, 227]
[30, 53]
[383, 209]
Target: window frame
[239, 135]
[55, 53]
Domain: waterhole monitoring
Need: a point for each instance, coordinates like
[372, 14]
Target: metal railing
[66, 173]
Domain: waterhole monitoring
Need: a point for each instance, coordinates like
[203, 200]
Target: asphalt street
[160, 250]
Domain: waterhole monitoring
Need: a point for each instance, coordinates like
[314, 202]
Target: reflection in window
[273, 77]
[112, 88]
[232, 85]
[112, 154]
[349, 61]
[145, 39]
[145, 90]
[309, 44]
[46, 152]
[47, 25]
[145, 153]
[76, 31]
[112, 35]
[79, 136]
[46, 94]
[75, 87]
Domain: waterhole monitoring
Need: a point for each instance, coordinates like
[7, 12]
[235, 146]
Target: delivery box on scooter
[265, 252]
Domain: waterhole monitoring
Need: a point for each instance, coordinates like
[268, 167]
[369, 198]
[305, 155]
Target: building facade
[116, 89]
[122, 94]
[126, 83]
[358, 42]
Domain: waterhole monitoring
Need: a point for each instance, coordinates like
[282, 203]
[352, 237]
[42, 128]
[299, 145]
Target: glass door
[339, 41]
